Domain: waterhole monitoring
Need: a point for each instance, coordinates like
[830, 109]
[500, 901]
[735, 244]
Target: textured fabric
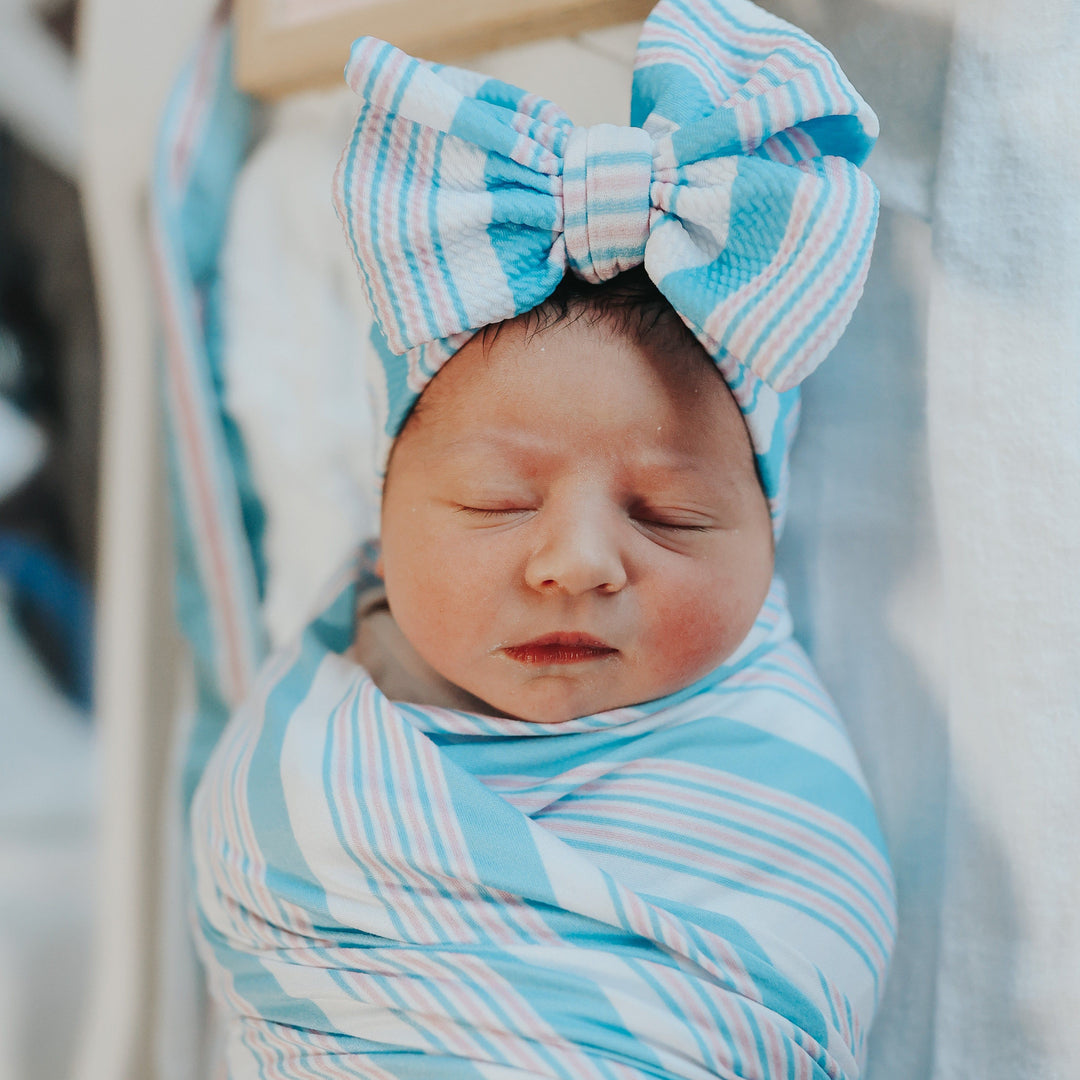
[1003, 385]
[693, 887]
[466, 200]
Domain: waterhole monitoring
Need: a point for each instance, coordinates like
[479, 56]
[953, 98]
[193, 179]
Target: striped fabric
[217, 518]
[690, 888]
[466, 200]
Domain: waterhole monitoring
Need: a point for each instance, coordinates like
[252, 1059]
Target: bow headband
[466, 200]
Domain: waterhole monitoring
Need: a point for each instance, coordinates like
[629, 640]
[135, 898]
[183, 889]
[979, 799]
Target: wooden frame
[288, 45]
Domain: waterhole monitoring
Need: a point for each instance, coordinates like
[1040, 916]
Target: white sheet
[1004, 424]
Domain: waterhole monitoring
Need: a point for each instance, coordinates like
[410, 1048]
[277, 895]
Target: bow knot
[607, 172]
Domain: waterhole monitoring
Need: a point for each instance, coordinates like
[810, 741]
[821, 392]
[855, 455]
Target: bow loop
[607, 173]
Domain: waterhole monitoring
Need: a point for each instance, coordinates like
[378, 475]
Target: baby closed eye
[670, 523]
[494, 513]
[671, 518]
[673, 526]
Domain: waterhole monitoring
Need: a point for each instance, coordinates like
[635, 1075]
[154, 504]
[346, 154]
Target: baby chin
[555, 683]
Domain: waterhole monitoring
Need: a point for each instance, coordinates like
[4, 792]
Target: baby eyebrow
[508, 442]
[650, 473]
[521, 444]
[667, 465]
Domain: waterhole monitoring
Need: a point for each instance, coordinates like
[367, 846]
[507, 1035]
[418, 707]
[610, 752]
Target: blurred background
[932, 555]
[50, 375]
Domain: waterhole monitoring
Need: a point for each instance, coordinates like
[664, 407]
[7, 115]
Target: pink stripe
[493, 917]
[841, 1013]
[393, 854]
[434, 784]
[258, 1039]
[775, 1057]
[419, 1001]
[737, 38]
[464, 885]
[835, 100]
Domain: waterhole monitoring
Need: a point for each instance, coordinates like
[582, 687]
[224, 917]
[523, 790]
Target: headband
[466, 200]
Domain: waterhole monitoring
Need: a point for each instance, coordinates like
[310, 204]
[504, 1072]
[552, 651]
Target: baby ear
[379, 566]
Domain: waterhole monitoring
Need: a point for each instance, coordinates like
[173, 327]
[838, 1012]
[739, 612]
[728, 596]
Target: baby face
[572, 523]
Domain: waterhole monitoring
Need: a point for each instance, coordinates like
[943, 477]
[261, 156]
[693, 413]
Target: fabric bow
[466, 200]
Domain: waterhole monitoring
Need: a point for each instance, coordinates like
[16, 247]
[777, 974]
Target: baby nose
[579, 553]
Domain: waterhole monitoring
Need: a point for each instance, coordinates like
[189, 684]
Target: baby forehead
[593, 355]
[535, 445]
[583, 385]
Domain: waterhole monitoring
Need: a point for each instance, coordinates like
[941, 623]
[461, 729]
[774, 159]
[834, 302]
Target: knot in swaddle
[607, 171]
[465, 201]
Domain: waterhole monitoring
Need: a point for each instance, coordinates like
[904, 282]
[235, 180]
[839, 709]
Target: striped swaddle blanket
[693, 887]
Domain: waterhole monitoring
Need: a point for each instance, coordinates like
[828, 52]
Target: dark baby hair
[629, 303]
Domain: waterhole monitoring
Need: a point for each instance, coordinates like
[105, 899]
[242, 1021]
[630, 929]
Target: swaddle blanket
[465, 200]
[693, 887]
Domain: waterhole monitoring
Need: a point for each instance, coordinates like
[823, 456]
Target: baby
[547, 789]
[572, 519]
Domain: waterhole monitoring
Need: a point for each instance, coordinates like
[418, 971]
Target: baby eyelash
[480, 511]
[673, 525]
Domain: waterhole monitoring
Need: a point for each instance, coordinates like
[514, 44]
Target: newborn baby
[572, 520]
[547, 788]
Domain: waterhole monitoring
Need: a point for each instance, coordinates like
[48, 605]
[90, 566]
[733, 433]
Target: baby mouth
[559, 649]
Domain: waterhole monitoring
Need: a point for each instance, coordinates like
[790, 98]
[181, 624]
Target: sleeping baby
[547, 788]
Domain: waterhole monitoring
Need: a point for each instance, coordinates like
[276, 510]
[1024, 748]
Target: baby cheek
[453, 596]
[698, 631]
